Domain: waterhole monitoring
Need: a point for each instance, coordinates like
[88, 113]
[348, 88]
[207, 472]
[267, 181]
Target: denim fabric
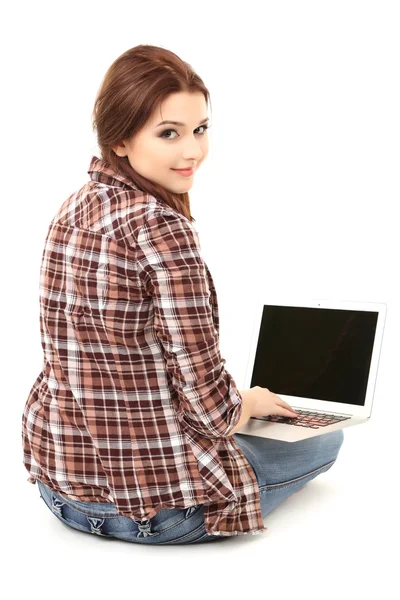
[281, 468]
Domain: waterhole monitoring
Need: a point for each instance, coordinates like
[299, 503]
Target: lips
[186, 172]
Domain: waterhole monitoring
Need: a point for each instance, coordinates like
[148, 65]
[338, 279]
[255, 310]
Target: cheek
[161, 154]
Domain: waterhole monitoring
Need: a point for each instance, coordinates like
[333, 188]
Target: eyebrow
[179, 123]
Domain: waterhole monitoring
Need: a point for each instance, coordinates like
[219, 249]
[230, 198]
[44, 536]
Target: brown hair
[131, 89]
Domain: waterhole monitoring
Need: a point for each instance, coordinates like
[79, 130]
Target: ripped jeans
[281, 468]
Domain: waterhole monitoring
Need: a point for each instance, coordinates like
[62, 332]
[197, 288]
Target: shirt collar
[102, 171]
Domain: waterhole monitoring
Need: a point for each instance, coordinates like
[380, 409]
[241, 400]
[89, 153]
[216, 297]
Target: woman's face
[156, 150]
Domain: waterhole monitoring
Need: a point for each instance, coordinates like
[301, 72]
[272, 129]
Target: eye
[205, 127]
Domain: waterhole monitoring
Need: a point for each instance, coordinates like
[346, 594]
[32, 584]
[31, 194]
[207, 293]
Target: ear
[120, 149]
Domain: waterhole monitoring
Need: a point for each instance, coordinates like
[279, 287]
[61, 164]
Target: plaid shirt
[134, 404]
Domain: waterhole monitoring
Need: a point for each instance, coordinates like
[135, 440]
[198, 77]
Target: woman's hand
[263, 403]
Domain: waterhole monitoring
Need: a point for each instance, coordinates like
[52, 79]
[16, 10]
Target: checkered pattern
[133, 404]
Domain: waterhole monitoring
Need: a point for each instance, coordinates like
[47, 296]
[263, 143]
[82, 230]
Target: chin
[181, 190]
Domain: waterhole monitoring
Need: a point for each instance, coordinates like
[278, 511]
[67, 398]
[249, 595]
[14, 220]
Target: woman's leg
[283, 468]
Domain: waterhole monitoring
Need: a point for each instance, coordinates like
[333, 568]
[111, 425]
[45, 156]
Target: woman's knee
[332, 442]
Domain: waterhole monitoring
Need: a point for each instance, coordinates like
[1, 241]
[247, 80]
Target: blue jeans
[281, 468]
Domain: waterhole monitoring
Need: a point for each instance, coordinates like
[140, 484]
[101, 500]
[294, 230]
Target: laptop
[322, 358]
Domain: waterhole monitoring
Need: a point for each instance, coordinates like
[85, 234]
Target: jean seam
[183, 537]
[88, 513]
[274, 486]
[95, 515]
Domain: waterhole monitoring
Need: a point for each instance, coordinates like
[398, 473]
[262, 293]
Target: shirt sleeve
[173, 273]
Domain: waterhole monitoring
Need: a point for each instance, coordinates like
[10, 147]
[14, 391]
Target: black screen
[320, 353]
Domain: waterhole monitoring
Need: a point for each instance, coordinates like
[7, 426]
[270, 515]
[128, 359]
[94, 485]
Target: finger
[289, 410]
[284, 404]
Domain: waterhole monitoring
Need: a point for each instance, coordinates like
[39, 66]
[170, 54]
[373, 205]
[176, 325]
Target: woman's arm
[246, 411]
[173, 273]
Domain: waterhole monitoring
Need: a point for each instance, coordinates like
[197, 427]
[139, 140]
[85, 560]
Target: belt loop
[95, 524]
[144, 528]
[56, 505]
[189, 511]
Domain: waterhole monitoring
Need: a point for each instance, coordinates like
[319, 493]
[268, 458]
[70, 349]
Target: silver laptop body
[321, 357]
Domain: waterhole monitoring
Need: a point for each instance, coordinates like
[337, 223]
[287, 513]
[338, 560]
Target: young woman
[131, 427]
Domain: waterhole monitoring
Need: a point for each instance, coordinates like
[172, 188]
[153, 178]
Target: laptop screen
[320, 353]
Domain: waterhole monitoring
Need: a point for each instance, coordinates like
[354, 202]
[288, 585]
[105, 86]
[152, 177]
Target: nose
[192, 152]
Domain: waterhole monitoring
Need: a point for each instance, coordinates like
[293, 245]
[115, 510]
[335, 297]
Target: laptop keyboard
[306, 418]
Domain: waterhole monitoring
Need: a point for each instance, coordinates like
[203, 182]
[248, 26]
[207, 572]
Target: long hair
[131, 89]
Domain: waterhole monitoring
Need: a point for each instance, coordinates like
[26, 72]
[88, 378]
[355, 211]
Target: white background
[298, 197]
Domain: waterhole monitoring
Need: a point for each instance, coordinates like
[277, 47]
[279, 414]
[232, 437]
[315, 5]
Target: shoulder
[127, 216]
[161, 220]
